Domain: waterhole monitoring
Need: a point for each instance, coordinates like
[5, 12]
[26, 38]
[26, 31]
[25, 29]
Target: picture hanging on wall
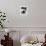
[25, 7]
[23, 10]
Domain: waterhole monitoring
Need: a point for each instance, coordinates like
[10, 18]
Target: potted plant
[2, 19]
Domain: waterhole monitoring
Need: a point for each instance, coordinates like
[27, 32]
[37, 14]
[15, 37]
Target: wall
[12, 9]
[39, 13]
[36, 17]
[36, 21]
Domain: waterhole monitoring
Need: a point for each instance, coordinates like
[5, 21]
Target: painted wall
[13, 9]
[39, 13]
[35, 17]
